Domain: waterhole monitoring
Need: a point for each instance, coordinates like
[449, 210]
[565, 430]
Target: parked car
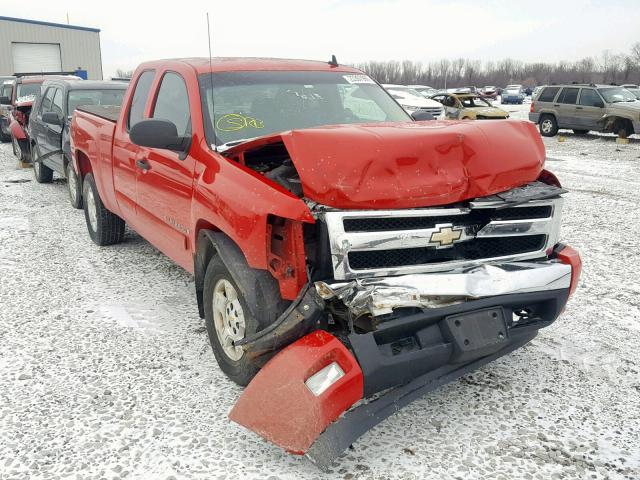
[6, 90]
[513, 94]
[50, 122]
[489, 92]
[412, 101]
[334, 259]
[583, 108]
[23, 92]
[469, 106]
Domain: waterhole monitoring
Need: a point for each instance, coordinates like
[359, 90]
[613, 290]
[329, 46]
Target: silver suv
[582, 108]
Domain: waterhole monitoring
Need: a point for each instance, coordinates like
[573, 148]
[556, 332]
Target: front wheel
[105, 227]
[74, 186]
[228, 319]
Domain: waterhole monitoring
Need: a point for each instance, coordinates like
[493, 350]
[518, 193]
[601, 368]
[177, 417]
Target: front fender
[17, 130]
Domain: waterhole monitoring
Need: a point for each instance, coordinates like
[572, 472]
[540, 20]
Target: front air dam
[279, 406]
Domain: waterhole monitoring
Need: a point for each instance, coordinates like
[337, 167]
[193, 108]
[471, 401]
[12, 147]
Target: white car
[424, 90]
[412, 101]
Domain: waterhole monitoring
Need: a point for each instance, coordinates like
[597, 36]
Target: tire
[42, 173]
[232, 312]
[623, 128]
[580, 132]
[74, 186]
[105, 227]
[548, 126]
[4, 136]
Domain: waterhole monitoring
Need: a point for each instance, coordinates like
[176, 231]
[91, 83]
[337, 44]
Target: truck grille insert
[472, 250]
[376, 243]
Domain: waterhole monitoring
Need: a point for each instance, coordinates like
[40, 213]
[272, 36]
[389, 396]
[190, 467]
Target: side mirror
[420, 115]
[5, 101]
[52, 118]
[156, 133]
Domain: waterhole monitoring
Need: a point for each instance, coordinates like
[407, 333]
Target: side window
[548, 94]
[590, 98]
[56, 104]
[47, 100]
[172, 103]
[569, 95]
[140, 96]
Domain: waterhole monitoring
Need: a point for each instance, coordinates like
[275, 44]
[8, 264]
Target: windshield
[93, 97]
[27, 90]
[471, 102]
[617, 94]
[252, 104]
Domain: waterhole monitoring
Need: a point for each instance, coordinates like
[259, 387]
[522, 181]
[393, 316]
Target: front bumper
[405, 357]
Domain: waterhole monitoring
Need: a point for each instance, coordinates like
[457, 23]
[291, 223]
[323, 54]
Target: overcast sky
[354, 30]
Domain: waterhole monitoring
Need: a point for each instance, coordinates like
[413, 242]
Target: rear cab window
[548, 94]
[140, 95]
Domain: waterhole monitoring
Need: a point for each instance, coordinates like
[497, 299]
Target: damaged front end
[400, 302]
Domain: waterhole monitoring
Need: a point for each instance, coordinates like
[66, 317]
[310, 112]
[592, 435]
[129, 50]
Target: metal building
[31, 46]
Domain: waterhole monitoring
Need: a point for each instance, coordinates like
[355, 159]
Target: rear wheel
[548, 126]
[42, 173]
[74, 186]
[580, 132]
[105, 227]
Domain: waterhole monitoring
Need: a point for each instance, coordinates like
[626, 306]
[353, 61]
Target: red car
[17, 99]
[341, 250]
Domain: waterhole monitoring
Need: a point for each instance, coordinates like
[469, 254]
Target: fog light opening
[320, 381]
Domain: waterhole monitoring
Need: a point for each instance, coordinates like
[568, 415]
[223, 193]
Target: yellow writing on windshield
[232, 122]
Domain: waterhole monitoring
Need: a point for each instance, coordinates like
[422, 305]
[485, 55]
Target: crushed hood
[412, 164]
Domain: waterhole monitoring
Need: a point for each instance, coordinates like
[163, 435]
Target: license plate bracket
[477, 333]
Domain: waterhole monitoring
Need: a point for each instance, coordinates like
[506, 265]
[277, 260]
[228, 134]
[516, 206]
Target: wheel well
[615, 124]
[84, 164]
[205, 250]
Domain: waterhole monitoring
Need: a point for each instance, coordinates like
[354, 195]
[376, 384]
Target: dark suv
[582, 108]
[50, 122]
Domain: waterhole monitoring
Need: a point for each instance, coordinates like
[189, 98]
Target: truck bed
[108, 112]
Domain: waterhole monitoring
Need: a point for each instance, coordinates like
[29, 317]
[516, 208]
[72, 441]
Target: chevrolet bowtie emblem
[445, 236]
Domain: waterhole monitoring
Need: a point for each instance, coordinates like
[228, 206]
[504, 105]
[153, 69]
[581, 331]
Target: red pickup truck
[347, 257]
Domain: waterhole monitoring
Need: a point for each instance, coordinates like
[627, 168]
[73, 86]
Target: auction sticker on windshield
[357, 79]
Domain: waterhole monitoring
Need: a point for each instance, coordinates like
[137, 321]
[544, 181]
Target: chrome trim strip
[379, 296]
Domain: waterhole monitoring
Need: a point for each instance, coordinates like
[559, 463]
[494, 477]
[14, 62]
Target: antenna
[333, 62]
[213, 109]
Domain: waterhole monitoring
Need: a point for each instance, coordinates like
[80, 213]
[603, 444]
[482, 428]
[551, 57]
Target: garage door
[36, 57]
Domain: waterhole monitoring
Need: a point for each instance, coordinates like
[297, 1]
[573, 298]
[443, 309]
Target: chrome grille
[395, 242]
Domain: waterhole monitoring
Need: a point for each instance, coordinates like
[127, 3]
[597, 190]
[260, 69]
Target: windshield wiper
[226, 146]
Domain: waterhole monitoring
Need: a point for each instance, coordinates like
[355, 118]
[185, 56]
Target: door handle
[142, 164]
[578, 108]
[556, 104]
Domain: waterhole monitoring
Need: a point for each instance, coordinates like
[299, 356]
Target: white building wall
[78, 48]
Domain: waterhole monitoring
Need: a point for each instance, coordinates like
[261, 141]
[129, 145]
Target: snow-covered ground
[106, 371]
